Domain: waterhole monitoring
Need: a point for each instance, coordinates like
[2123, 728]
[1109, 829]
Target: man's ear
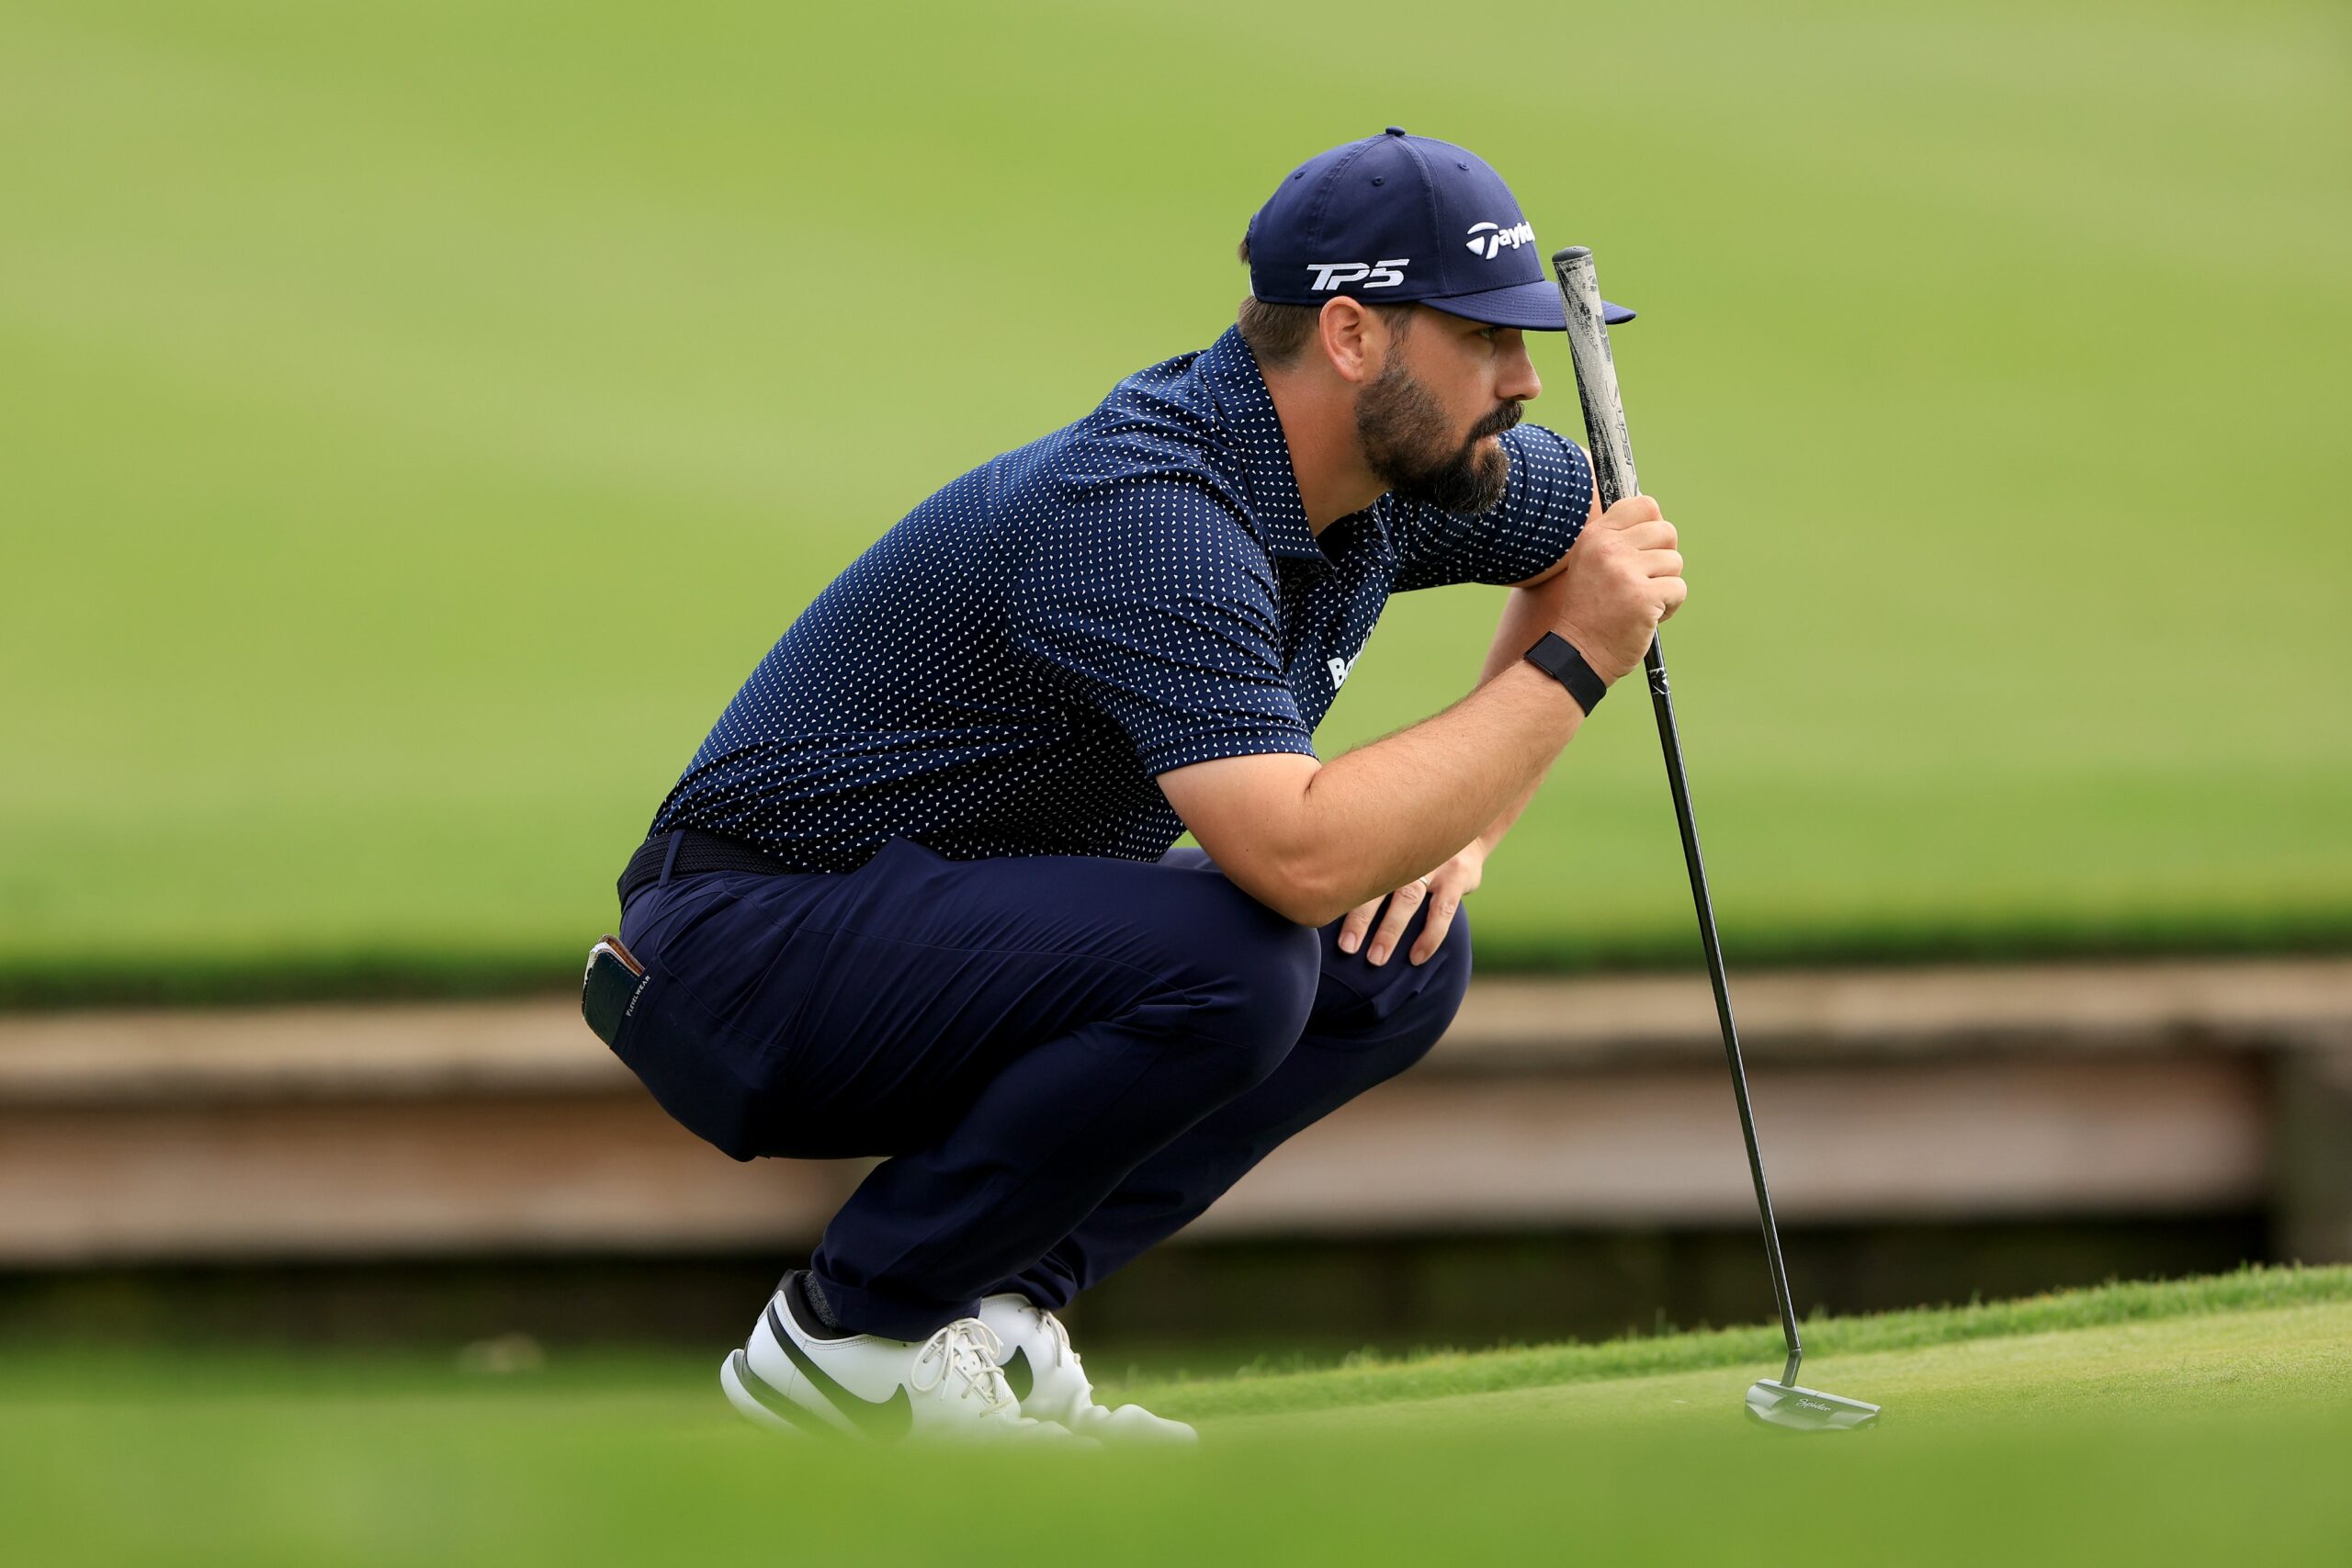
[1347, 332]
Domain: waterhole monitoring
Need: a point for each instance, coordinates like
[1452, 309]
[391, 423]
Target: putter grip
[1604, 413]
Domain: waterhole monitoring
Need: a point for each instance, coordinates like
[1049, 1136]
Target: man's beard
[1402, 429]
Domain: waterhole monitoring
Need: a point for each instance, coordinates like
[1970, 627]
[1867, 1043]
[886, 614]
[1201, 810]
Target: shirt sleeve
[1154, 604]
[1542, 512]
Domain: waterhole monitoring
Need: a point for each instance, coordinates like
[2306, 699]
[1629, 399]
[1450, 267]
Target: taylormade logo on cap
[1486, 238]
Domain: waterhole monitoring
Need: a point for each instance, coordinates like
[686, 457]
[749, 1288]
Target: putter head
[1806, 1409]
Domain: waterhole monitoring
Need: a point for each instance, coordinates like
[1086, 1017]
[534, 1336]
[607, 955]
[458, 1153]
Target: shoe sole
[762, 1401]
[733, 1373]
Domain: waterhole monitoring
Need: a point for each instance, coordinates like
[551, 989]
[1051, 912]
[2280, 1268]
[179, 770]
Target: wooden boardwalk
[485, 1129]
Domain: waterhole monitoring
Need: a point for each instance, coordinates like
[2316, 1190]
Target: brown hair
[1277, 335]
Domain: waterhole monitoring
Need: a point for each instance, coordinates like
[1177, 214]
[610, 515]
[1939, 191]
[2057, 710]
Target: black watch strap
[1558, 658]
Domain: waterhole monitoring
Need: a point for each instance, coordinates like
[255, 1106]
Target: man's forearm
[1527, 616]
[1389, 812]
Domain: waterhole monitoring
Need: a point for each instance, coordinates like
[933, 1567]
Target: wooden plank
[1507, 1022]
[2226, 1005]
[1985, 1138]
[1980, 1139]
[392, 1179]
[485, 1128]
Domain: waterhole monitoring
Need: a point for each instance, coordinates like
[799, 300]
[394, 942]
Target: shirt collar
[1229, 371]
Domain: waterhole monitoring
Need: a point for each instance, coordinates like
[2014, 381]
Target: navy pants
[1065, 1057]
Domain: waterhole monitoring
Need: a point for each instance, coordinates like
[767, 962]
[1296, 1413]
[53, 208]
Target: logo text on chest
[1339, 667]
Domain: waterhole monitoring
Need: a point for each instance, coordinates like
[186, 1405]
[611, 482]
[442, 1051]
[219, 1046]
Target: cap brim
[1536, 306]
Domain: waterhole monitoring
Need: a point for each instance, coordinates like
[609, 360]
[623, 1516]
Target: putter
[1782, 1404]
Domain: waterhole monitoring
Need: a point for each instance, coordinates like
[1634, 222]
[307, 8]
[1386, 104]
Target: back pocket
[692, 1065]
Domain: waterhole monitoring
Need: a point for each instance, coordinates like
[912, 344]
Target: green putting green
[421, 416]
[2138, 1422]
[2293, 1357]
[2085, 1325]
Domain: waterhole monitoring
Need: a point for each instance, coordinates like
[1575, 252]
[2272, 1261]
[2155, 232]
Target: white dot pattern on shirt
[1009, 667]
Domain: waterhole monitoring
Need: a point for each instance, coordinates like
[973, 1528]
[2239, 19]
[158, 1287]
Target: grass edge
[1369, 1378]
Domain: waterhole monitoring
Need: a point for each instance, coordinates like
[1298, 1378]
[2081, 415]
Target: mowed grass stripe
[2294, 1357]
[1441, 1374]
[576, 1481]
[2191, 1423]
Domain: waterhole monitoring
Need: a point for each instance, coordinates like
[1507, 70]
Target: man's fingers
[1401, 905]
[1633, 509]
[1357, 921]
[1433, 930]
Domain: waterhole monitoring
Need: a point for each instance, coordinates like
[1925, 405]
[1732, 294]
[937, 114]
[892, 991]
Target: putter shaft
[1612, 465]
[1662, 705]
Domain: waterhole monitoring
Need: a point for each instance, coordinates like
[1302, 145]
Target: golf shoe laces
[968, 1349]
[1063, 1353]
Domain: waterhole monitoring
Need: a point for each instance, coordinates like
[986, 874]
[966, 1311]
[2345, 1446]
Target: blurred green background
[417, 419]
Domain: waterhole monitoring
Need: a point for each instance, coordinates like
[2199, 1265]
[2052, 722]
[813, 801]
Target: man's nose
[1519, 380]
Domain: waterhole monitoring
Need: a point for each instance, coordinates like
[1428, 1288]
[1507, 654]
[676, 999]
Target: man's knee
[1442, 998]
[1411, 1014]
[1257, 985]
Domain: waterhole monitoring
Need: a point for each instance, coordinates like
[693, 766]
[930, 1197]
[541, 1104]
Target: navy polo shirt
[1008, 670]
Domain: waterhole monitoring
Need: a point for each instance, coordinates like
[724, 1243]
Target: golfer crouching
[915, 895]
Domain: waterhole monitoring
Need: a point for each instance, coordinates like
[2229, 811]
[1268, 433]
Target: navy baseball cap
[1395, 219]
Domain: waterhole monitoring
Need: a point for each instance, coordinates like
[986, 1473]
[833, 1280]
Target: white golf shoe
[948, 1387]
[1045, 1374]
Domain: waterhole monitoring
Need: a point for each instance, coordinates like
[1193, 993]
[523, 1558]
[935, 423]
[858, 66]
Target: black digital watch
[1558, 658]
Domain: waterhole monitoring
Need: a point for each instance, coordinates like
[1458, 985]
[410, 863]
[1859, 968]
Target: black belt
[696, 851]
